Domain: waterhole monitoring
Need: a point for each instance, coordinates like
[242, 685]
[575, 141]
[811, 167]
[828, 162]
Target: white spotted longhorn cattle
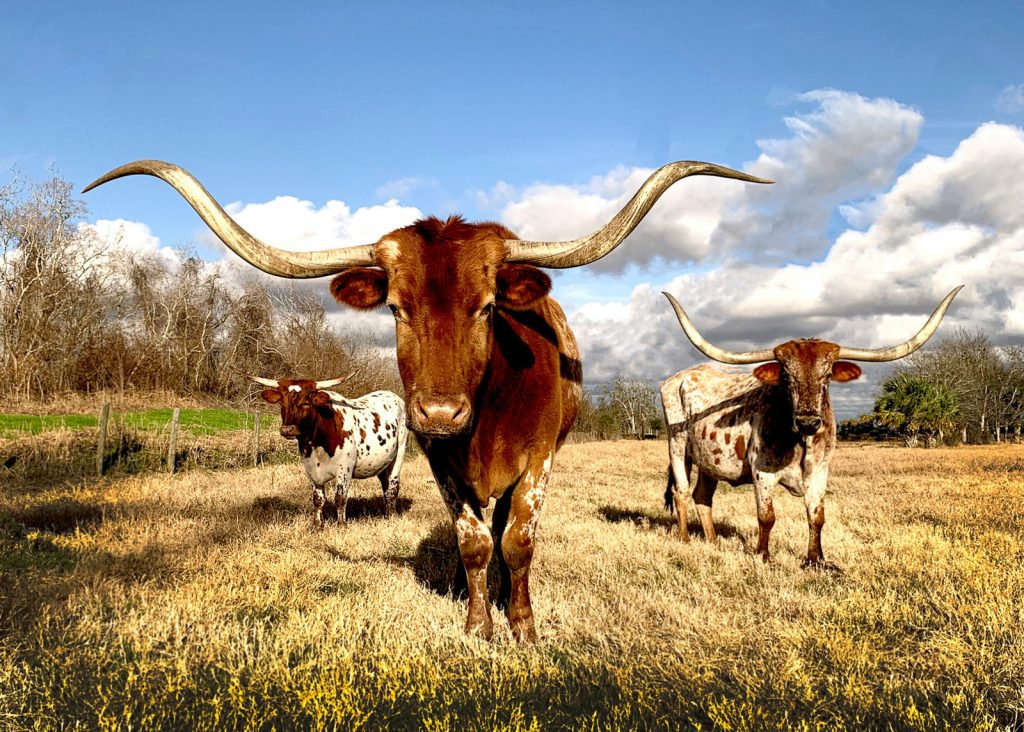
[340, 439]
[774, 427]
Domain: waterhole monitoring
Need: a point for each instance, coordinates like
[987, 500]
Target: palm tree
[914, 406]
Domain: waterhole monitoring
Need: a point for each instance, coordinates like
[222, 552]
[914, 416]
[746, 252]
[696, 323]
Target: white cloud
[946, 221]
[290, 223]
[1011, 99]
[840, 151]
[119, 237]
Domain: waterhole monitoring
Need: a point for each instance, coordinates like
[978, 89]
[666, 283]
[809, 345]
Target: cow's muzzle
[807, 424]
[440, 415]
[290, 431]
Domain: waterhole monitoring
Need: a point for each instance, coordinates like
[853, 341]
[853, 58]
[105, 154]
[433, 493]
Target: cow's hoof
[820, 565]
[480, 628]
[523, 630]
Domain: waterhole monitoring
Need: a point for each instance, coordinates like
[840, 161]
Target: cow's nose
[440, 414]
[807, 424]
[289, 431]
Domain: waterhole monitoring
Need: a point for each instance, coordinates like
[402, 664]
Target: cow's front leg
[318, 506]
[763, 486]
[475, 548]
[341, 495]
[814, 502]
[518, 542]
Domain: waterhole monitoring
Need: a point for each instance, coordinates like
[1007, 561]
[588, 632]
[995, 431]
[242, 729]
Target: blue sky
[487, 109]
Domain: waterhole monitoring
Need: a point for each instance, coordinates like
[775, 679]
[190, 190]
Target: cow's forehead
[449, 250]
[294, 385]
[806, 352]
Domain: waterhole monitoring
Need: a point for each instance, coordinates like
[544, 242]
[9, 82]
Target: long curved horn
[334, 382]
[279, 262]
[709, 349]
[907, 347]
[563, 254]
[260, 380]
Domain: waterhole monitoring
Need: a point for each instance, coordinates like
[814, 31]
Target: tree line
[80, 315]
[963, 389]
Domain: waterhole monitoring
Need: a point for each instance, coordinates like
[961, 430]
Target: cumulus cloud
[1011, 99]
[290, 223]
[297, 225]
[120, 237]
[839, 151]
[946, 221]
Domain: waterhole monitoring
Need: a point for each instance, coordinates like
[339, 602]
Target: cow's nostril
[421, 411]
[807, 425]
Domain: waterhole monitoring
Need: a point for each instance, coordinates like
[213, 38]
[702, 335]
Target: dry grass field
[204, 601]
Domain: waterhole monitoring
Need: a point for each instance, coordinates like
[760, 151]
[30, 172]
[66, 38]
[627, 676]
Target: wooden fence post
[256, 441]
[172, 448]
[102, 444]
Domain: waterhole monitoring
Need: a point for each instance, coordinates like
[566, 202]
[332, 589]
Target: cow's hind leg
[341, 495]
[389, 479]
[518, 542]
[678, 479]
[703, 494]
[389, 487]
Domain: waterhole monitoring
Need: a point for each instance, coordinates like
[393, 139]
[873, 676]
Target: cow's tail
[670, 503]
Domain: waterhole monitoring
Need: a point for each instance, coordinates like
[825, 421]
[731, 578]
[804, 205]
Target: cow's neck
[324, 433]
[513, 400]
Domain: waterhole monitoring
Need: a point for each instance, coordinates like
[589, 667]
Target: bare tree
[633, 403]
[53, 298]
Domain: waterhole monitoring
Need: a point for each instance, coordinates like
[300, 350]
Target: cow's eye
[485, 312]
[396, 311]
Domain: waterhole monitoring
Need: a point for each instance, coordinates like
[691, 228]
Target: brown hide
[307, 416]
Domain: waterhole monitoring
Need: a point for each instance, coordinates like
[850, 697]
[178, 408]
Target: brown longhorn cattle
[490, 367]
[770, 428]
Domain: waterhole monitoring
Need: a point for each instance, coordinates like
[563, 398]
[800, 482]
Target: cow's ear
[271, 396]
[321, 399]
[361, 287]
[768, 373]
[521, 285]
[845, 371]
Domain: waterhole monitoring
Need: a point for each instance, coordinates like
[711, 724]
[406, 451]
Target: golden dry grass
[205, 601]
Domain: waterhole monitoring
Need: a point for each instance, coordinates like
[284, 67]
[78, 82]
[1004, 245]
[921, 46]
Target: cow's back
[720, 410]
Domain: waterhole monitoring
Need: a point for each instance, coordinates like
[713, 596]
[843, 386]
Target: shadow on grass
[663, 522]
[437, 565]
[358, 509]
[64, 515]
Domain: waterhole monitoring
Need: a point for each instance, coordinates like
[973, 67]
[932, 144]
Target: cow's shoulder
[707, 387]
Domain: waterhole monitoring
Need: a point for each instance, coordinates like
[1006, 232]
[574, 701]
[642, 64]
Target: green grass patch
[194, 421]
[16, 425]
